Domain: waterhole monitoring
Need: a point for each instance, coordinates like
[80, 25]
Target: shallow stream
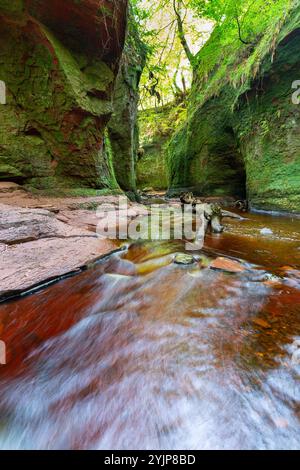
[142, 353]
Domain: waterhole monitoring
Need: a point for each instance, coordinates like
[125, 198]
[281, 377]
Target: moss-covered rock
[242, 131]
[205, 157]
[59, 63]
[123, 133]
[157, 125]
[267, 126]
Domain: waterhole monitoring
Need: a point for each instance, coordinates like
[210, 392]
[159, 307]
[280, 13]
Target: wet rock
[29, 264]
[212, 213]
[262, 323]
[266, 231]
[36, 247]
[232, 215]
[18, 225]
[148, 190]
[182, 258]
[270, 279]
[9, 187]
[228, 265]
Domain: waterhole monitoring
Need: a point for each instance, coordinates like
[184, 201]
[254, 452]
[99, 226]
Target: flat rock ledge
[39, 245]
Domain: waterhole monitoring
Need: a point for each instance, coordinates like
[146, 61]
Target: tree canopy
[176, 30]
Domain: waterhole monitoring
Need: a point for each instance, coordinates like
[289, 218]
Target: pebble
[262, 323]
[266, 231]
[182, 258]
[228, 265]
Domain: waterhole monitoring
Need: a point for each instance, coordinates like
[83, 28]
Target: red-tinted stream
[141, 353]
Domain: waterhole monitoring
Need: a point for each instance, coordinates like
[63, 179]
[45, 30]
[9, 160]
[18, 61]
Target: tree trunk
[181, 34]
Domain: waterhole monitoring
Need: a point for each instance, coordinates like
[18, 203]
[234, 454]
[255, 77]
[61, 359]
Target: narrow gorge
[149, 225]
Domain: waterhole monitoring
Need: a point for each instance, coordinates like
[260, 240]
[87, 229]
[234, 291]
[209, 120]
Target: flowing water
[141, 353]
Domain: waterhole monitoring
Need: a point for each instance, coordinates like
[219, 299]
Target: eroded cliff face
[267, 127]
[242, 135]
[59, 61]
[123, 132]
[157, 125]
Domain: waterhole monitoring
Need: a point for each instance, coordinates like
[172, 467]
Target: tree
[172, 27]
[168, 31]
[177, 5]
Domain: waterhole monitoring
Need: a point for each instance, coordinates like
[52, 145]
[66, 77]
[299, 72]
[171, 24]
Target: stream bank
[43, 239]
[192, 357]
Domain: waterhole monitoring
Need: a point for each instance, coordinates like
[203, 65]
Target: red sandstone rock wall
[59, 60]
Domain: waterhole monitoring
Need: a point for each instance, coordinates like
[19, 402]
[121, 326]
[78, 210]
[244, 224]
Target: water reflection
[142, 353]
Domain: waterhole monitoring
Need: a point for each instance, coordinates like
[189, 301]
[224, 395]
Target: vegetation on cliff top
[240, 136]
[246, 31]
[237, 35]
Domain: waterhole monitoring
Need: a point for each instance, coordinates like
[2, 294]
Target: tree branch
[182, 37]
[240, 32]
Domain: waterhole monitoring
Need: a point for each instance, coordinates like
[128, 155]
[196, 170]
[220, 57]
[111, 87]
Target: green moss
[95, 77]
[242, 130]
[12, 6]
[58, 104]
[156, 128]
[151, 170]
[225, 60]
[203, 155]
[48, 189]
[123, 133]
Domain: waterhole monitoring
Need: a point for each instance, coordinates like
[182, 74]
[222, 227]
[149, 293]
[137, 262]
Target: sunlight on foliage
[246, 31]
[237, 35]
[168, 73]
